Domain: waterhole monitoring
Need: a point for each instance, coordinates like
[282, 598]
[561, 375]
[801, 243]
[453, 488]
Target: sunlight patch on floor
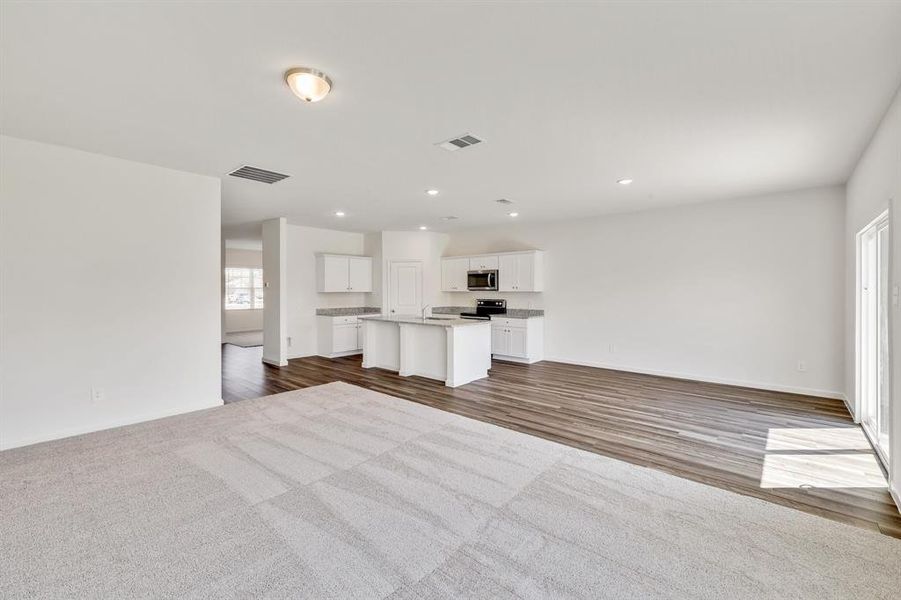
[826, 438]
[821, 471]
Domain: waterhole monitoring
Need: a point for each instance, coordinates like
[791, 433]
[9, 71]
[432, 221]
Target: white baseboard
[337, 354]
[896, 496]
[113, 423]
[515, 359]
[773, 387]
[275, 362]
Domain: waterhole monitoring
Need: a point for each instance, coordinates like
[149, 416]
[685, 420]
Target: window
[243, 288]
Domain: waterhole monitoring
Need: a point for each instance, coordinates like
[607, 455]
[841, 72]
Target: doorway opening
[873, 363]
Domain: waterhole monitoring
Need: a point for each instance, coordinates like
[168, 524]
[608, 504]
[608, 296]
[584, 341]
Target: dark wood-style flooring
[714, 434]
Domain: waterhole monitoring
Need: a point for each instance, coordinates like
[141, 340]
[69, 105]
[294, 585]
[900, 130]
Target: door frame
[389, 296]
[859, 391]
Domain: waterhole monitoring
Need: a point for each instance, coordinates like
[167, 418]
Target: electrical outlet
[98, 395]
[611, 348]
[802, 366]
[289, 341]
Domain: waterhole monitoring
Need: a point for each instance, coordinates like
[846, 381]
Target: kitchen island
[449, 349]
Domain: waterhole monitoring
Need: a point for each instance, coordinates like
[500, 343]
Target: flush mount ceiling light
[624, 181]
[514, 214]
[308, 84]
[339, 213]
[432, 192]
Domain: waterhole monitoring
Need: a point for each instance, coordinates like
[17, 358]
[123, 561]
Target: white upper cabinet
[521, 272]
[343, 273]
[359, 273]
[483, 263]
[453, 274]
[516, 271]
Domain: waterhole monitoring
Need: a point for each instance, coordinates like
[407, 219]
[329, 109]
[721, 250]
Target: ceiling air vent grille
[457, 143]
[257, 174]
[504, 201]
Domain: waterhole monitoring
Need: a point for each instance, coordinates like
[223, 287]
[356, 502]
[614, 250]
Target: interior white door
[405, 288]
[359, 274]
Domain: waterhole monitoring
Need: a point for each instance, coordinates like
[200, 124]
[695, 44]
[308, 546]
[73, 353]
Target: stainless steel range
[486, 308]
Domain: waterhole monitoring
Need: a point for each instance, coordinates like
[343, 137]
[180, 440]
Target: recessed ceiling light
[514, 214]
[422, 227]
[432, 192]
[340, 213]
[308, 84]
[624, 181]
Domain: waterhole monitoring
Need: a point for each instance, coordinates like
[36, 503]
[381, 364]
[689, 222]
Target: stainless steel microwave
[481, 281]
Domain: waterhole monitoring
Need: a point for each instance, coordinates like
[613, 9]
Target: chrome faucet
[425, 308]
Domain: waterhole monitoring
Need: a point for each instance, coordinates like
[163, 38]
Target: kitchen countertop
[348, 312]
[512, 313]
[444, 322]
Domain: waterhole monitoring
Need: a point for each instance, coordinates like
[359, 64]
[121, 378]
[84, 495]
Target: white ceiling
[695, 101]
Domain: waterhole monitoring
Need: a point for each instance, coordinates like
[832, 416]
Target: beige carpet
[340, 492]
[245, 339]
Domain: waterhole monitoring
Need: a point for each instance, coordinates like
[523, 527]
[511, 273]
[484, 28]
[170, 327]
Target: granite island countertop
[512, 313]
[348, 312]
[439, 321]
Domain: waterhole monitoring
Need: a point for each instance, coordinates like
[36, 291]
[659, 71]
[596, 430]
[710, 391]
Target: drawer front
[345, 320]
[507, 322]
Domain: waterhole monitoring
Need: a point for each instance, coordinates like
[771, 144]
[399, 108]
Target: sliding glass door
[872, 318]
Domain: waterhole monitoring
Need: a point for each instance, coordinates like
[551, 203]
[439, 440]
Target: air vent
[463, 141]
[504, 201]
[449, 218]
[257, 174]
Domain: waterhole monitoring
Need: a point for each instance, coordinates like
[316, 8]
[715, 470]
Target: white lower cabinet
[346, 338]
[518, 340]
[339, 336]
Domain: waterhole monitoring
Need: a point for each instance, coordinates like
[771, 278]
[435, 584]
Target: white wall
[372, 246]
[303, 299]
[250, 319]
[734, 291]
[874, 185]
[91, 298]
[275, 294]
